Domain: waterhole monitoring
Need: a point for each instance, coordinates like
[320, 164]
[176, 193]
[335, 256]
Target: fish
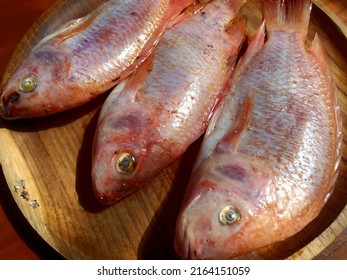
[149, 121]
[86, 57]
[269, 159]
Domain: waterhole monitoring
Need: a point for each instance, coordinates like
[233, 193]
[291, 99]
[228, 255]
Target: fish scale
[87, 56]
[129, 24]
[176, 88]
[272, 149]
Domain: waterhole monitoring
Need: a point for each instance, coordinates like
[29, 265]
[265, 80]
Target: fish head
[126, 155]
[220, 215]
[34, 88]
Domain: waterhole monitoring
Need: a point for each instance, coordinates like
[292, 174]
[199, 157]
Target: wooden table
[17, 239]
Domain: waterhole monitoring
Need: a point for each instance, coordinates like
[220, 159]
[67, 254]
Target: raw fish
[86, 57]
[166, 105]
[270, 156]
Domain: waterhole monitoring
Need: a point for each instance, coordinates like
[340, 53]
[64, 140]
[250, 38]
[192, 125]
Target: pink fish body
[270, 155]
[86, 57]
[165, 106]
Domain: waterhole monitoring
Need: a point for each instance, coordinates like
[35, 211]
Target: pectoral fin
[232, 138]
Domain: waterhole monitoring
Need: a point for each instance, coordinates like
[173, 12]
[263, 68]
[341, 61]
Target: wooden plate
[46, 163]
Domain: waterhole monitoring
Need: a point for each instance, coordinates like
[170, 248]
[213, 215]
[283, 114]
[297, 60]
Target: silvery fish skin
[165, 106]
[86, 57]
[270, 156]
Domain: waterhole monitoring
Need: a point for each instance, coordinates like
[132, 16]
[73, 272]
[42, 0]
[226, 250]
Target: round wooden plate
[46, 163]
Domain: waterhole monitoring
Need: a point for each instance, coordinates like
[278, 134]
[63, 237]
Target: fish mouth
[111, 195]
[107, 198]
[192, 254]
[186, 249]
[182, 246]
[7, 101]
[183, 241]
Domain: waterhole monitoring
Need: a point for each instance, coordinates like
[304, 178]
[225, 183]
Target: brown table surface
[17, 239]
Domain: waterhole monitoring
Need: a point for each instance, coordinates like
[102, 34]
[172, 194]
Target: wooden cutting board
[46, 163]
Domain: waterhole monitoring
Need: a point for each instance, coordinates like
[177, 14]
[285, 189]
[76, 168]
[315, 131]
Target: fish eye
[126, 163]
[229, 216]
[29, 84]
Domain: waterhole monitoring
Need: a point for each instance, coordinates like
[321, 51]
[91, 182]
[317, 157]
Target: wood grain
[52, 157]
[336, 250]
[336, 10]
[15, 242]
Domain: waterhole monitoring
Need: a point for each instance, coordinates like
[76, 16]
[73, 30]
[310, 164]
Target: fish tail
[234, 6]
[287, 14]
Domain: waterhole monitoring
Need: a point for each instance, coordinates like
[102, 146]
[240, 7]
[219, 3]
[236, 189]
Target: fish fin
[290, 14]
[321, 58]
[128, 89]
[232, 138]
[190, 9]
[65, 31]
[137, 79]
[200, 5]
[180, 6]
[112, 98]
[255, 44]
[187, 13]
[214, 116]
[177, 8]
[227, 80]
[237, 31]
[234, 6]
[71, 28]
